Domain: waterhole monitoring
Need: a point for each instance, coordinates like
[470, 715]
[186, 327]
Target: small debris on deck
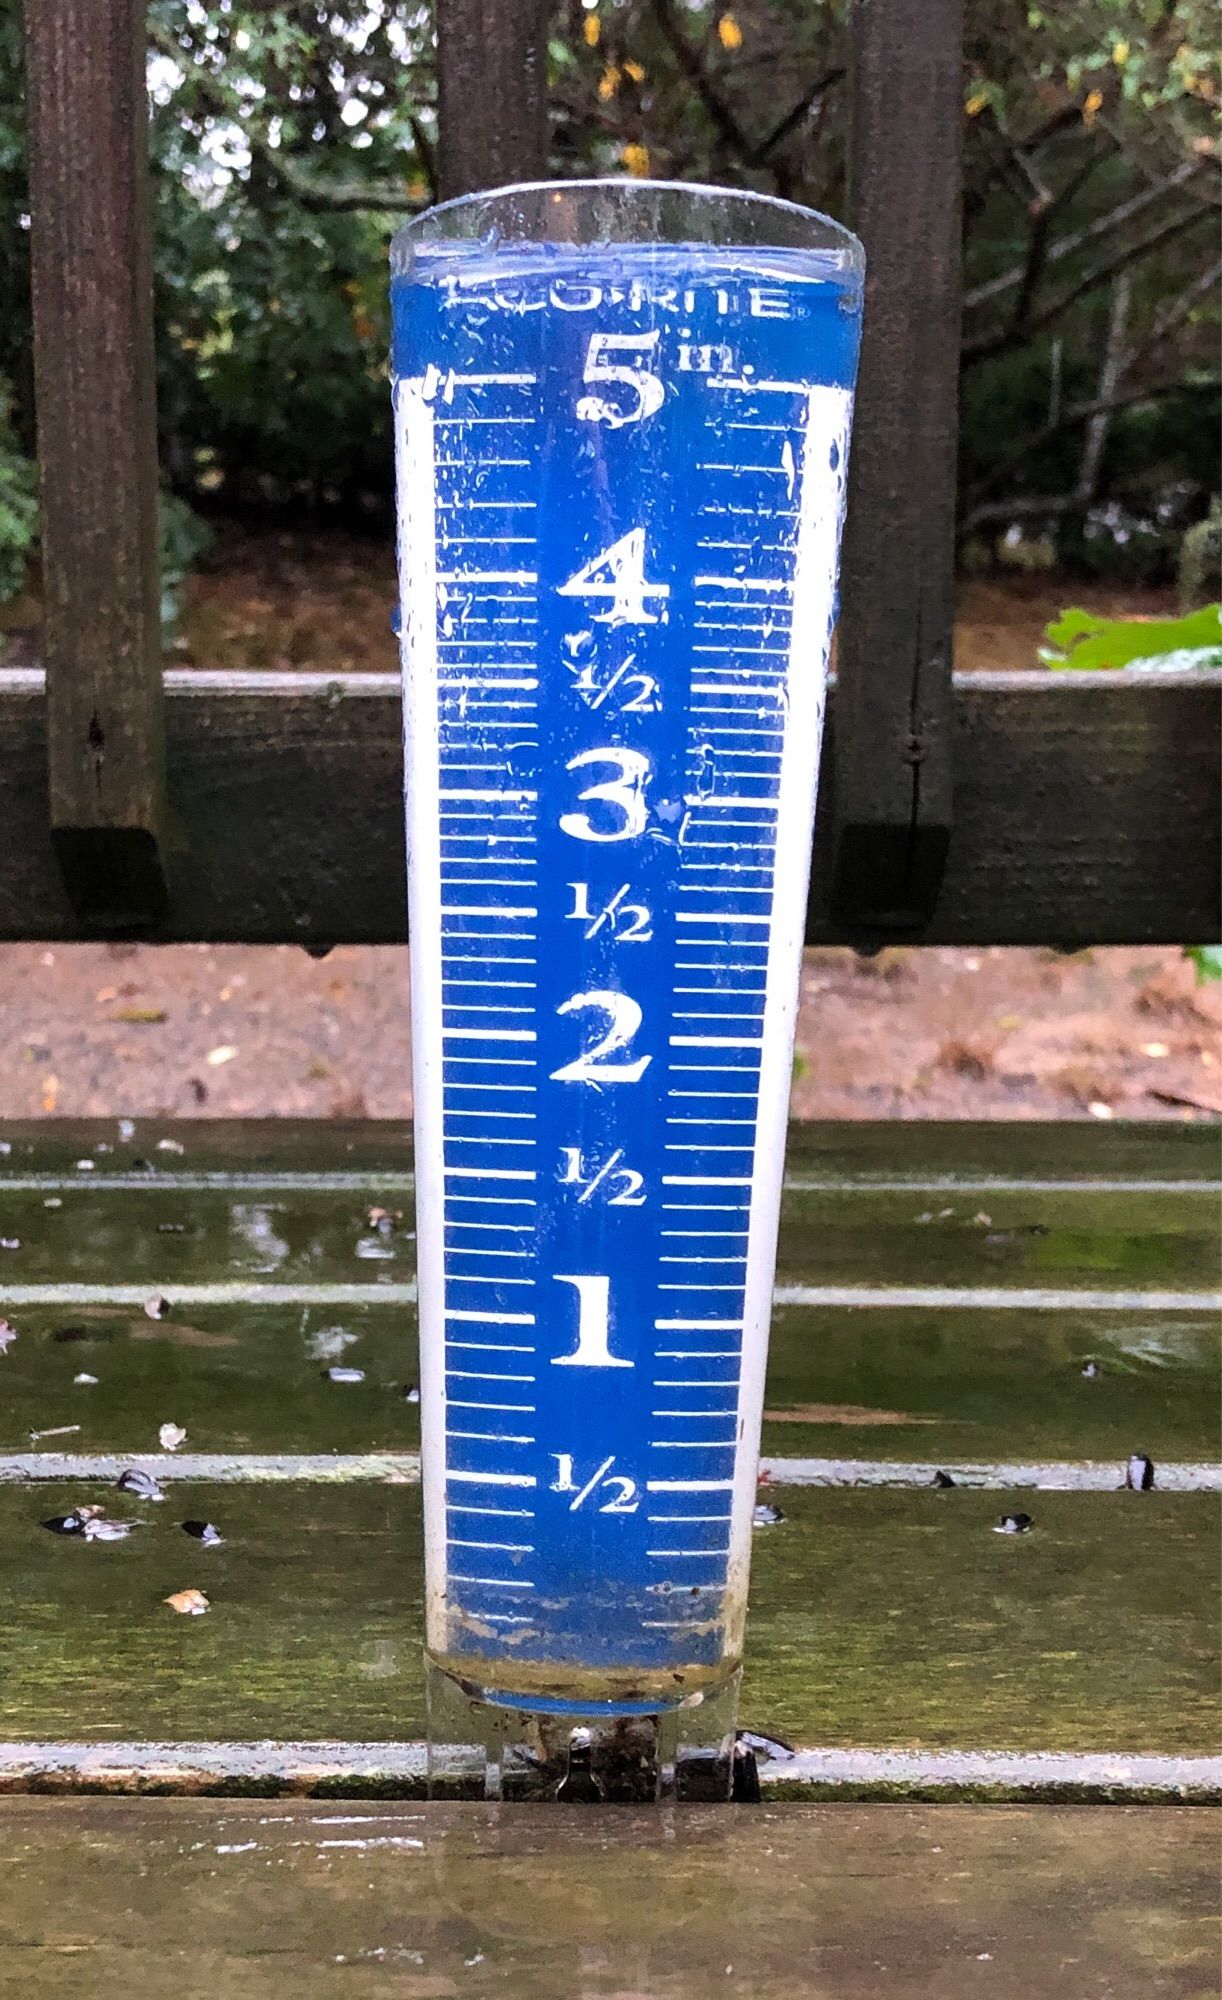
[343, 1374]
[767, 1516]
[1013, 1524]
[171, 1436]
[99, 1529]
[203, 1531]
[1139, 1473]
[133, 1480]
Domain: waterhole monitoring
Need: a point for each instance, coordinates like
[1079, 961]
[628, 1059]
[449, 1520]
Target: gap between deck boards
[974, 1298]
[403, 1468]
[399, 1769]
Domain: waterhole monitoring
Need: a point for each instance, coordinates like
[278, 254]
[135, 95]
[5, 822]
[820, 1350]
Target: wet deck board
[245, 1902]
[877, 1619]
[940, 1289]
[939, 1384]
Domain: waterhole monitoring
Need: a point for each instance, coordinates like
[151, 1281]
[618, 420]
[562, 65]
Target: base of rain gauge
[483, 1745]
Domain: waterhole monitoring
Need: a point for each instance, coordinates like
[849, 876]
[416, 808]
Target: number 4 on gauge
[618, 572]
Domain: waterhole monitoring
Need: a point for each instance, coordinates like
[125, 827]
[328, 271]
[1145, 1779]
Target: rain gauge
[622, 421]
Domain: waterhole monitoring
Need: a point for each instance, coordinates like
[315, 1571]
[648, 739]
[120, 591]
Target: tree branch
[1027, 506]
[1078, 239]
[792, 119]
[688, 59]
[1100, 423]
[1015, 335]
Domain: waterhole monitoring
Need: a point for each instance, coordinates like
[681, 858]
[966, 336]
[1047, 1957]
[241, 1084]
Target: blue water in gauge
[621, 476]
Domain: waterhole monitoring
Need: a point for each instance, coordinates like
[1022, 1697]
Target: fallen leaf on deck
[135, 1017]
[172, 1435]
[180, 1335]
[191, 1603]
[215, 1057]
[843, 1413]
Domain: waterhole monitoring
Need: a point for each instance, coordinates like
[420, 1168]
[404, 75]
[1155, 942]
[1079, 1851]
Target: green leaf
[1083, 640]
[1207, 958]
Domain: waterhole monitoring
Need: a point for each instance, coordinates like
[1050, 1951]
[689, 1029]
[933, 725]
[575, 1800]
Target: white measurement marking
[689, 1485]
[714, 1041]
[491, 1318]
[494, 1582]
[488, 1479]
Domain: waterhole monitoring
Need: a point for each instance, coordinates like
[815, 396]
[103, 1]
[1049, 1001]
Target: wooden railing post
[892, 773]
[491, 92]
[97, 450]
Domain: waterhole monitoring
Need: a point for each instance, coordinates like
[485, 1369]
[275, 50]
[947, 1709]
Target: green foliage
[1208, 960]
[1081, 639]
[290, 137]
[18, 505]
[1201, 559]
[183, 539]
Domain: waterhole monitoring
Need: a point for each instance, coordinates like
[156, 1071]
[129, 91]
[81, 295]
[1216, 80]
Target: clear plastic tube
[622, 422]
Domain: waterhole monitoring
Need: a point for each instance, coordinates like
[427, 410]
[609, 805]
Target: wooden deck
[131, 1899]
[939, 1292]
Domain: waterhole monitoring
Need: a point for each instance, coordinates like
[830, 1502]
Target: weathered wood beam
[894, 782]
[1085, 812]
[491, 92]
[97, 451]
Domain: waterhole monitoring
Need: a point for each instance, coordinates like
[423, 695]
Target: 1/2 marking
[626, 1500]
[635, 693]
[627, 1183]
[635, 917]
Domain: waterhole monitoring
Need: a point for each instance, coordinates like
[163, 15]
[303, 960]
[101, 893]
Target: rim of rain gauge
[620, 211]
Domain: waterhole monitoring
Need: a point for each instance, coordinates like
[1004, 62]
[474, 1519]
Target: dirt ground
[224, 1031]
[284, 601]
[229, 1031]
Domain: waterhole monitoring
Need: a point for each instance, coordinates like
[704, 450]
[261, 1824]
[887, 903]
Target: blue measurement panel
[620, 479]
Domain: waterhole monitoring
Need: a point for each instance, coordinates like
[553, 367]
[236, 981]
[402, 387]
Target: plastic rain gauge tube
[622, 420]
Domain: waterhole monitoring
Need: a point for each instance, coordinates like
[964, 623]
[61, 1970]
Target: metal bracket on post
[97, 446]
[892, 778]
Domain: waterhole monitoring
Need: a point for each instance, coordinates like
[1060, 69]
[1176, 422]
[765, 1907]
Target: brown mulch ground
[230, 1031]
[296, 600]
[226, 1031]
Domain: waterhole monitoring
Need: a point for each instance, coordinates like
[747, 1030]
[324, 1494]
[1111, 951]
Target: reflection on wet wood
[782, 1903]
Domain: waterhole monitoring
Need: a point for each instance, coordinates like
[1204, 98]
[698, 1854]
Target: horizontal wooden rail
[1085, 812]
